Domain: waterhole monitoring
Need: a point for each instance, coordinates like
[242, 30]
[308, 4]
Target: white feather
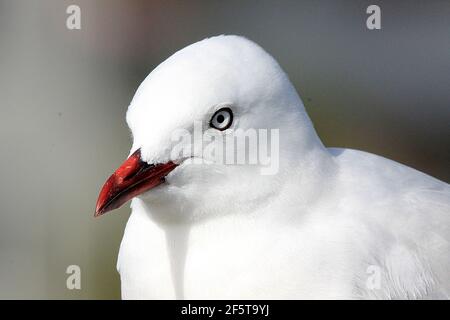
[314, 230]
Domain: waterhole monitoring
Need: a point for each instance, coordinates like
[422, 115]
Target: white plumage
[333, 223]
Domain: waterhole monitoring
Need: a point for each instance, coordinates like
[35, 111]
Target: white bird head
[222, 85]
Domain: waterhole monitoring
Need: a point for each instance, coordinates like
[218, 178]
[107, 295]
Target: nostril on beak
[142, 168]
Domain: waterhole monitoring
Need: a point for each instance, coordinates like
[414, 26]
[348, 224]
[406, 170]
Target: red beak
[131, 179]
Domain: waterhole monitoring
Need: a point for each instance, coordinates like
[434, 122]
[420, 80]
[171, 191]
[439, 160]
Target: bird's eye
[222, 119]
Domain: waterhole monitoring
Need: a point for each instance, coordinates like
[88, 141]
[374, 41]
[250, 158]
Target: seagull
[325, 223]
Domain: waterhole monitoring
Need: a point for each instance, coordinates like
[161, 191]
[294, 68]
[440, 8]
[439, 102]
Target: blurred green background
[64, 94]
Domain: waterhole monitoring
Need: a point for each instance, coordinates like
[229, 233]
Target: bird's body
[382, 232]
[326, 224]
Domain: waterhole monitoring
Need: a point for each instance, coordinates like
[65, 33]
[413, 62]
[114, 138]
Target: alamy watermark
[373, 281]
[373, 22]
[259, 147]
[73, 281]
[73, 21]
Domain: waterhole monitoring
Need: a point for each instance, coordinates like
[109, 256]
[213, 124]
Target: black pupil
[220, 118]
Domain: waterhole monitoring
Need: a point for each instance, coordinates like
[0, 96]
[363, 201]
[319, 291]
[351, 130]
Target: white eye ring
[222, 119]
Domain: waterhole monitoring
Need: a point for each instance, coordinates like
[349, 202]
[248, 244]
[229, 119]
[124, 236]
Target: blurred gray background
[64, 94]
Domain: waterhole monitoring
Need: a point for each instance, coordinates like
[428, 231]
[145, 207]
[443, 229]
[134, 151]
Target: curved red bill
[131, 179]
